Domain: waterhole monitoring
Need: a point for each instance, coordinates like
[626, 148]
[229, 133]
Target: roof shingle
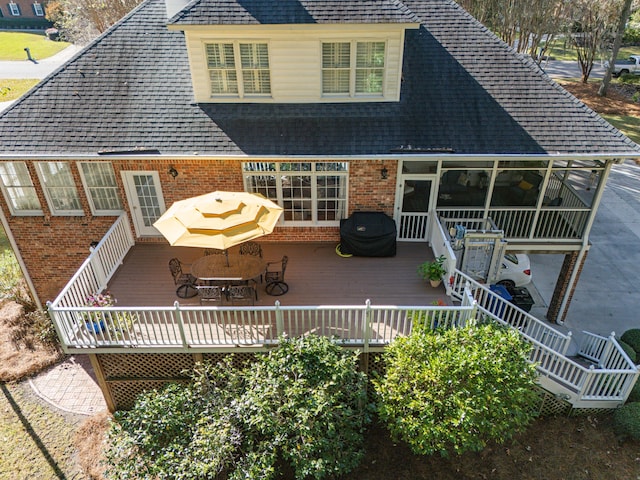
[463, 90]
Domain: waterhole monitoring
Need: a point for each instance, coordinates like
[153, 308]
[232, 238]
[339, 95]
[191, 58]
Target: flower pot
[95, 327]
[435, 283]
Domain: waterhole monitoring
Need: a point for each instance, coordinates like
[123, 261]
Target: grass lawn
[12, 89]
[628, 125]
[14, 43]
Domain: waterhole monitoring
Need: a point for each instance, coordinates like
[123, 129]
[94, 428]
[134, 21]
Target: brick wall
[53, 247]
[562, 286]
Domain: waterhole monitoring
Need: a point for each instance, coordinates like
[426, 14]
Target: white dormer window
[15, 9]
[249, 77]
[37, 9]
[353, 68]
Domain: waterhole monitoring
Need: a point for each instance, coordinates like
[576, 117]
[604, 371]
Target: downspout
[585, 240]
[23, 267]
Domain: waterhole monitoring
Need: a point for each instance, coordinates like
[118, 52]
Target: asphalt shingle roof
[254, 12]
[463, 90]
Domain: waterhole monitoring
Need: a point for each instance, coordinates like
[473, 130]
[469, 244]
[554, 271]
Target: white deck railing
[609, 379]
[184, 328]
[96, 271]
[527, 223]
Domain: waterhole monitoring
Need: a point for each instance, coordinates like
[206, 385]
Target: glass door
[145, 200]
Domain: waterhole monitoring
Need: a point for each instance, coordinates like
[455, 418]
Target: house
[23, 14]
[328, 107]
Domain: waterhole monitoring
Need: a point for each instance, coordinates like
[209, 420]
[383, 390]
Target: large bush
[626, 421]
[303, 405]
[632, 338]
[454, 390]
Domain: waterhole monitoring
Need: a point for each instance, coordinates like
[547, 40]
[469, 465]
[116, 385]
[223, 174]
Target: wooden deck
[316, 276]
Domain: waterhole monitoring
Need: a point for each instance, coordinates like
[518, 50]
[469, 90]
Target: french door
[146, 202]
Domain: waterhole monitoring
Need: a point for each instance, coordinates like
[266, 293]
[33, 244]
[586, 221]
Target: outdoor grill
[368, 234]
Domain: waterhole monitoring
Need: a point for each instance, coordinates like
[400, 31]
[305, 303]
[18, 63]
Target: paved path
[70, 386]
[39, 68]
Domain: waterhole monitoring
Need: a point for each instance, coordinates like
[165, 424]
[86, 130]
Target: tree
[83, 20]
[304, 404]
[617, 41]
[523, 24]
[454, 390]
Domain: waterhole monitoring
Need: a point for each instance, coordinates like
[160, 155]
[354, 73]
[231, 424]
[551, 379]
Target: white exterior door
[145, 200]
[413, 200]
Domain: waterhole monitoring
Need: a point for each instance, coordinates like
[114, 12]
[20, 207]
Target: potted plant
[433, 271]
[94, 321]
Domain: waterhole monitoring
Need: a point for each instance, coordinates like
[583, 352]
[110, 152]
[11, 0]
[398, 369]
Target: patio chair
[242, 293]
[185, 281]
[210, 293]
[274, 278]
[251, 248]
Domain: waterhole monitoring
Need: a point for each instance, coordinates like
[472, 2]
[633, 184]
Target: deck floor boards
[316, 275]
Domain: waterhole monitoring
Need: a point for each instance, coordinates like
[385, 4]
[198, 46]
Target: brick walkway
[70, 386]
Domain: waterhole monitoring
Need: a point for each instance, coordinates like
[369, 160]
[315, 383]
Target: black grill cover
[368, 234]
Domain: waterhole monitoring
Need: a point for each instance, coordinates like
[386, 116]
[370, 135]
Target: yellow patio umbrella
[218, 219]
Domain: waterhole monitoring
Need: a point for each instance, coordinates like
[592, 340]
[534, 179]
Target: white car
[515, 271]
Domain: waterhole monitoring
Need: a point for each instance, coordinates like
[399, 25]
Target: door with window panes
[145, 200]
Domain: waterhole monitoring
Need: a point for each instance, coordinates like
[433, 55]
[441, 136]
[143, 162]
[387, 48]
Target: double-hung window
[18, 189]
[238, 69]
[100, 185]
[311, 193]
[14, 9]
[353, 68]
[37, 9]
[59, 188]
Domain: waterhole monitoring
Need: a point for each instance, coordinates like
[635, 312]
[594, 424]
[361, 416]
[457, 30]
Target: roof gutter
[617, 157]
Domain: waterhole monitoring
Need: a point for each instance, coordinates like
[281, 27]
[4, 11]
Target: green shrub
[454, 390]
[634, 395]
[304, 404]
[632, 338]
[628, 349]
[626, 421]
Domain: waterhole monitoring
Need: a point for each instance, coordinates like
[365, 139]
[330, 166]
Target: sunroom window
[311, 193]
[18, 189]
[101, 188]
[353, 68]
[248, 77]
[59, 188]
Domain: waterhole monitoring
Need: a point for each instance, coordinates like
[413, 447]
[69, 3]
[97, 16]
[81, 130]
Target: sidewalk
[38, 69]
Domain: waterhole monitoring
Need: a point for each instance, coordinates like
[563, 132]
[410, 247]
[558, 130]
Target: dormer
[294, 51]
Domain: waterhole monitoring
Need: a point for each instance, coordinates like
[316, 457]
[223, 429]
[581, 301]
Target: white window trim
[353, 52]
[14, 9]
[18, 212]
[237, 59]
[313, 174]
[87, 190]
[47, 195]
[38, 10]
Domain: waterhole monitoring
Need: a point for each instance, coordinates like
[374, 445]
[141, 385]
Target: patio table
[240, 267]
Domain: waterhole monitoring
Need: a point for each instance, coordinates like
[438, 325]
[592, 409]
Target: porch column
[564, 286]
[102, 382]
